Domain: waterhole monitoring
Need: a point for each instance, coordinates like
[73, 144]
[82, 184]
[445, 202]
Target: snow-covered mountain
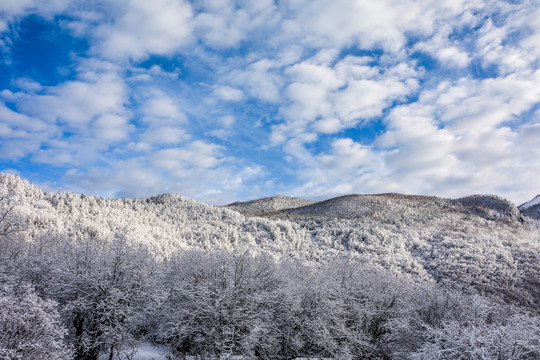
[478, 240]
[530, 203]
[490, 207]
[531, 208]
[373, 276]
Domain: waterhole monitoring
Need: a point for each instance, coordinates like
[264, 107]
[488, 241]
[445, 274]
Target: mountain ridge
[487, 206]
[260, 207]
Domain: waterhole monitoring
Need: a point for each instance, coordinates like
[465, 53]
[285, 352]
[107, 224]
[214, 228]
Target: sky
[223, 100]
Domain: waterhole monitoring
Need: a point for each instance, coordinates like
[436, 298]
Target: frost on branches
[358, 277]
[30, 327]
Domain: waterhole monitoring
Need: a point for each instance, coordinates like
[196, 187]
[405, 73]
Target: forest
[384, 276]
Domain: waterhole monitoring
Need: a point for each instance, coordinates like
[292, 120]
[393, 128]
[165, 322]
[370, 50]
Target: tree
[212, 307]
[30, 327]
[10, 223]
[104, 287]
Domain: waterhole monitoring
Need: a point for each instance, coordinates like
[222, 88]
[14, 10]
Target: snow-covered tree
[104, 288]
[30, 327]
[213, 304]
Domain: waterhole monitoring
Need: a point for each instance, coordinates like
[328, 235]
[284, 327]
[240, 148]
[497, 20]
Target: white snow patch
[148, 351]
[145, 351]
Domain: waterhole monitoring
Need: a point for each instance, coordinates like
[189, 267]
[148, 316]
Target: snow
[148, 351]
[145, 351]
[531, 203]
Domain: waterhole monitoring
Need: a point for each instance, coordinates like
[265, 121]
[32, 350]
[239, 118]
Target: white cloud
[328, 99]
[21, 134]
[453, 55]
[462, 137]
[227, 121]
[348, 167]
[529, 135]
[327, 125]
[367, 24]
[365, 99]
[346, 155]
[418, 149]
[27, 84]
[12, 8]
[198, 170]
[69, 123]
[445, 51]
[455, 139]
[198, 154]
[162, 108]
[152, 74]
[473, 105]
[227, 131]
[228, 93]
[112, 128]
[126, 178]
[16, 148]
[76, 103]
[143, 28]
[447, 135]
[511, 45]
[223, 31]
[261, 79]
[224, 23]
[220, 134]
[164, 135]
[15, 6]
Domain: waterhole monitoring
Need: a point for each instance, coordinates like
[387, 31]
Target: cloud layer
[224, 100]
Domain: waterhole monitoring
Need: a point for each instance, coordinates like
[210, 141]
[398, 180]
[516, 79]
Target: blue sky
[224, 100]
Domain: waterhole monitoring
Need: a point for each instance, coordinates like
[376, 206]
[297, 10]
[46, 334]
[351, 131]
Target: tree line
[65, 299]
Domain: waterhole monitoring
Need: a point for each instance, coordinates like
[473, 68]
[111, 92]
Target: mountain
[385, 276]
[478, 241]
[531, 208]
[530, 203]
[166, 223]
[490, 207]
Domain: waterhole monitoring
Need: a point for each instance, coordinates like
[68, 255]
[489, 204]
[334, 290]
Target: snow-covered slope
[476, 241]
[531, 208]
[530, 203]
[268, 205]
[165, 223]
[359, 206]
[491, 207]
[475, 238]
[405, 207]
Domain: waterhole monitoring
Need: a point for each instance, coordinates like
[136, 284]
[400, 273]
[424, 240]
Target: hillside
[268, 205]
[166, 223]
[479, 240]
[287, 278]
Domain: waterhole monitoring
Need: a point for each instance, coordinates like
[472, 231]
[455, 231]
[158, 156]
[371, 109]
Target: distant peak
[530, 203]
[267, 205]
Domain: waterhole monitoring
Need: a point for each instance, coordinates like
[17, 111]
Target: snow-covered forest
[357, 277]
